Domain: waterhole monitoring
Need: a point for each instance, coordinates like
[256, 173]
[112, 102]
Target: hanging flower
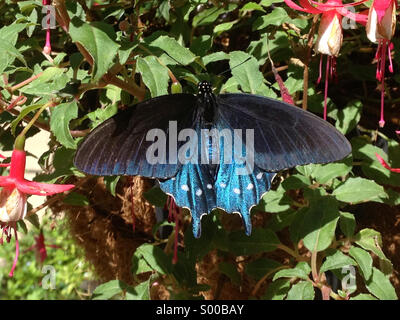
[40, 247]
[330, 33]
[14, 194]
[47, 46]
[380, 29]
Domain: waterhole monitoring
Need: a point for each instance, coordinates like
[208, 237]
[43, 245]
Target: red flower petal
[385, 165]
[41, 189]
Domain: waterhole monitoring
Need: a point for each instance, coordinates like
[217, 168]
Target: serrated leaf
[296, 181]
[349, 116]
[208, 16]
[357, 190]
[261, 240]
[320, 224]
[154, 257]
[347, 223]
[277, 290]
[218, 29]
[380, 286]
[364, 261]
[155, 76]
[8, 54]
[174, 49]
[302, 290]
[109, 289]
[247, 74]
[371, 240]
[277, 17]
[98, 38]
[336, 260]
[139, 292]
[301, 271]
[323, 173]
[24, 111]
[59, 123]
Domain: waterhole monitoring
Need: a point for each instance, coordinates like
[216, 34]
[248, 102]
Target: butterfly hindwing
[119, 146]
[192, 188]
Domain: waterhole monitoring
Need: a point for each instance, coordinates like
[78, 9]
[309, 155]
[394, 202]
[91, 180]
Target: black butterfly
[200, 165]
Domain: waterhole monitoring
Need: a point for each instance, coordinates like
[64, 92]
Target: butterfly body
[210, 151]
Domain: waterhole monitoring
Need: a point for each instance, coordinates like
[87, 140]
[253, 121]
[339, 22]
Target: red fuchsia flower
[380, 27]
[385, 165]
[40, 247]
[330, 33]
[13, 197]
[47, 46]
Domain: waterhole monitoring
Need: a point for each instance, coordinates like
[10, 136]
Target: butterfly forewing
[285, 136]
[119, 146]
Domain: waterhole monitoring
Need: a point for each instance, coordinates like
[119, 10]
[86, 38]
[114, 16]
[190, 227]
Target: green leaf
[215, 56]
[320, 224]
[8, 54]
[364, 261]
[296, 181]
[348, 117]
[277, 17]
[155, 76]
[336, 260]
[174, 49]
[261, 240]
[218, 29]
[59, 123]
[111, 183]
[154, 257]
[323, 173]
[252, 6]
[260, 267]
[380, 286]
[76, 199]
[140, 292]
[347, 223]
[247, 74]
[301, 271]
[98, 38]
[24, 111]
[371, 240]
[109, 289]
[357, 190]
[208, 16]
[230, 271]
[302, 290]
[156, 197]
[275, 201]
[277, 290]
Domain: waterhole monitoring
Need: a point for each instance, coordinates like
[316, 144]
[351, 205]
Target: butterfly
[210, 151]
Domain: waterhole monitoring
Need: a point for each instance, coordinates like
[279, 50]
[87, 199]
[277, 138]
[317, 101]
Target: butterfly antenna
[230, 69]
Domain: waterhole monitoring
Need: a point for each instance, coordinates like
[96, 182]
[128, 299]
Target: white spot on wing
[250, 186]
[236, 190]
[222, 185]
[209, 186]
[259, 176]
[185, 187]
[199, 192]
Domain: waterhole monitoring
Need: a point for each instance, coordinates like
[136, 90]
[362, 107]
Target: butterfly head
[204, 88]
